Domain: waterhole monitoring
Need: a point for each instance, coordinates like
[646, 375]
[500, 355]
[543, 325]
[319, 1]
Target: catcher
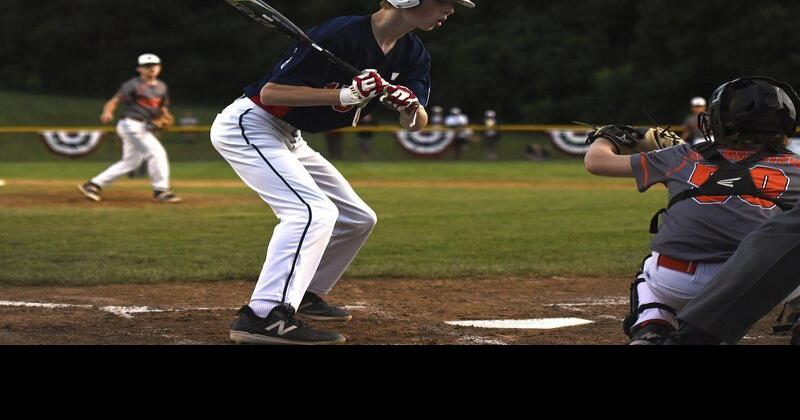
[145, 99]
[719, 191]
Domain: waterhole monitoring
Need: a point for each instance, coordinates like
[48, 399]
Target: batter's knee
[324, 213]
[367, 219]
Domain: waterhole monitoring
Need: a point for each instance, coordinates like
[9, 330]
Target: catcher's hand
[628, 140]
[163, 122]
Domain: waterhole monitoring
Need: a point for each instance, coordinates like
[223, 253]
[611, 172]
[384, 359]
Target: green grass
[442, 232]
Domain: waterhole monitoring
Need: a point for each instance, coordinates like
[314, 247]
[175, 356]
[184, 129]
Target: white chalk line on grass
[121, 311]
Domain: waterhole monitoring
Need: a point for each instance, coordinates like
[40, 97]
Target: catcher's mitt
[628, 140]
[163, 122]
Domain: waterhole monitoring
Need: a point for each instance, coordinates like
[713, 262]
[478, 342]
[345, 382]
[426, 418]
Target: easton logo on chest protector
[720, 180]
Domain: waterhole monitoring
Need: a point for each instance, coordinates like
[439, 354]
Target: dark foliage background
[533, 60]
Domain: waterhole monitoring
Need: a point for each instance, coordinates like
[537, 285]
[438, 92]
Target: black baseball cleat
[795, 341]
[688, 335]
[90, 191]
[165, 197]
[650, 334]
[313, 307]
[279, 327]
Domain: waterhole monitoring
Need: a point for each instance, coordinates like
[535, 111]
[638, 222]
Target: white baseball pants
[323, 222]
[675, 289]
[138, 143]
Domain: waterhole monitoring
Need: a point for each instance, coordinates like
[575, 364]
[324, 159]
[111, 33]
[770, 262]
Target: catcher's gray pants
[761, 274]
[323, 222]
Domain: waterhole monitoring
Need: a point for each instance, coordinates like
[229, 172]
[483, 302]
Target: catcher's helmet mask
[752, 104]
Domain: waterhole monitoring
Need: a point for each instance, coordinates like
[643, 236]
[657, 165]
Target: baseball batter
[323, 222]
[146, 100]
[718, 193]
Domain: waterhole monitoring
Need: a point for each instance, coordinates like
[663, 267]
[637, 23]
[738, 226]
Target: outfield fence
[534, 142]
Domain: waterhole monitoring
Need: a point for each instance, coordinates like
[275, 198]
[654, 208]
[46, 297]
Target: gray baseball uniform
[710, 229]
[703, 231]
[141, 100]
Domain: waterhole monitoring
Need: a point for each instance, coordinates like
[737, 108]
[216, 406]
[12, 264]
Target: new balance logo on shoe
[281, 325]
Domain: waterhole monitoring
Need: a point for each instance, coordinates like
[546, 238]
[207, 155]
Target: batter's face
[431, 14]
[150, 71]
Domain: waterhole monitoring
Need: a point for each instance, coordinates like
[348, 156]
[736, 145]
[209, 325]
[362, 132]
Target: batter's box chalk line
[121, 311]
[524, 324]
[474, 339]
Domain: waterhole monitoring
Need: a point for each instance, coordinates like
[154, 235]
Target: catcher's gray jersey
[710, 228]
[142, 100]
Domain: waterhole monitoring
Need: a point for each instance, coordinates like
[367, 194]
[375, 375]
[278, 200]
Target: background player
[714, 203]
[323, 222]
[691, 132]
[491, 136]
[458, 122]
[145, 99]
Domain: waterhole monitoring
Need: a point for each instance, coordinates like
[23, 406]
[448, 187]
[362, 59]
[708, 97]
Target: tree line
[537, 61]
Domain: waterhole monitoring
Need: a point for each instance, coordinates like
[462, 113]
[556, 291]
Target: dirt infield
[385, 312]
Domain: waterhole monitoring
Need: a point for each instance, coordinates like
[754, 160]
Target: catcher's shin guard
[635, 309]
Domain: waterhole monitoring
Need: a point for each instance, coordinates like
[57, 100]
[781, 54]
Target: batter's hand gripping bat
[272, 19]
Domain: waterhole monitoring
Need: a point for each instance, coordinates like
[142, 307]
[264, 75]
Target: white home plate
[524, 324]
[2, 183]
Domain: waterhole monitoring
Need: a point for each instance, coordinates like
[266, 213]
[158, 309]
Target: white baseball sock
[262, 308]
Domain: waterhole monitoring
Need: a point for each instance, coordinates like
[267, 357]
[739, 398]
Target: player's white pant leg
[672, 288]
[353, 227]
[133, 152]
[157, 161]
[255, 145]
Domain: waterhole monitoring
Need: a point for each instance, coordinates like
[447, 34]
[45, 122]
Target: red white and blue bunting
[427, 143]
[571, 142]
[72, 144]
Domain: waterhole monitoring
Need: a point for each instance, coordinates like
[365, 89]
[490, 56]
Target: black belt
[138, 119]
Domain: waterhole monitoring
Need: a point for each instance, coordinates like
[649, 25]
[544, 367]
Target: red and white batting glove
[401, 98]
[367, 85]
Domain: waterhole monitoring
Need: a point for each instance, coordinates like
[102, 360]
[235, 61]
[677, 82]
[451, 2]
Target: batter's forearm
[284, 95]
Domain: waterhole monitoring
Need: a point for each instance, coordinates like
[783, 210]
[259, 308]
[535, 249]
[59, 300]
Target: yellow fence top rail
[377, 129]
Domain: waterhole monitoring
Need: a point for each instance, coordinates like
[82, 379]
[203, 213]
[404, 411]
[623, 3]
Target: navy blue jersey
[351, 39]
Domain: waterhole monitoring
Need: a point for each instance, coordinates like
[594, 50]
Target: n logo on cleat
[281, 327]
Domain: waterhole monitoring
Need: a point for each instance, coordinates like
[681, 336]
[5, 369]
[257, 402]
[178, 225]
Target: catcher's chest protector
[730, 179]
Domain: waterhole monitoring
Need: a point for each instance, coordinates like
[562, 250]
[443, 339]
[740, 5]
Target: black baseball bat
[271, 18]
